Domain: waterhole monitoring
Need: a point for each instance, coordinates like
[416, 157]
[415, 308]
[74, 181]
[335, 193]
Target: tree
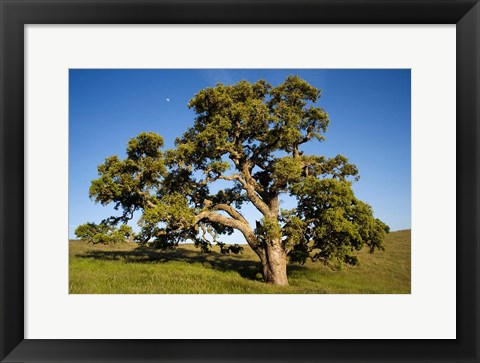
[250, 135]
[103, 233]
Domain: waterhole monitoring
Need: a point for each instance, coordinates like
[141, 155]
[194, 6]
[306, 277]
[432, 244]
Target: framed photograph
[239, 181]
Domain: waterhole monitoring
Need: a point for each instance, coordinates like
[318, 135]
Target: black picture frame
[17, 13]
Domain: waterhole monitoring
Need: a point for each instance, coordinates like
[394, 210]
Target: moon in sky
[167, 99]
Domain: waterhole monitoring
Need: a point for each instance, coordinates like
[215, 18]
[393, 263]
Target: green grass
[126, 268]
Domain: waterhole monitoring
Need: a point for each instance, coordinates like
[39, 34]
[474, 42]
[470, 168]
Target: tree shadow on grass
[246, 268]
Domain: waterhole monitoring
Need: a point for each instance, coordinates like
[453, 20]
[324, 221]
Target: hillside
[126, 268]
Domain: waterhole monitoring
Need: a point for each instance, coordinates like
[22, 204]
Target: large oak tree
[249, 136]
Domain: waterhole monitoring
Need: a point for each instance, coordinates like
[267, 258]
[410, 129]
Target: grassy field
[126, 268]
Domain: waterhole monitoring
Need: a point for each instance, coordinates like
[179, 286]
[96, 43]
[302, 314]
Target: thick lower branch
[244, 228]
[231, 211]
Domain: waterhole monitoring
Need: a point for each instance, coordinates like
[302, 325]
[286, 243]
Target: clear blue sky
[369, 123]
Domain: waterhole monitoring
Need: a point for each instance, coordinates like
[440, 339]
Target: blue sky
[369, 123]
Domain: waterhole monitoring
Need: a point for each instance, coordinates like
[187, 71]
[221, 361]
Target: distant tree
[249, 134]
[104, 233]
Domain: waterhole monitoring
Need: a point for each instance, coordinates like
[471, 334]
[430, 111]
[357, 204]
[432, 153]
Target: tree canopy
[250, 135]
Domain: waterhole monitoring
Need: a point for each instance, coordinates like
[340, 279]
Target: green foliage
[104, 233]
[294, 232]
[128, 183]
[251, 120]
[287, 170]
[177, 216]
[268, 230]
[145, 146]
[337, 223]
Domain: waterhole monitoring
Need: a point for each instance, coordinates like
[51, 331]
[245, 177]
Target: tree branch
[248, 184]
[252, 188]
[146, 196]
[308, 136]
[233, 177]
[230, 222]
[231, 211]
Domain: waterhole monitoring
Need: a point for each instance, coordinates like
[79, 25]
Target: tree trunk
[274, 263]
